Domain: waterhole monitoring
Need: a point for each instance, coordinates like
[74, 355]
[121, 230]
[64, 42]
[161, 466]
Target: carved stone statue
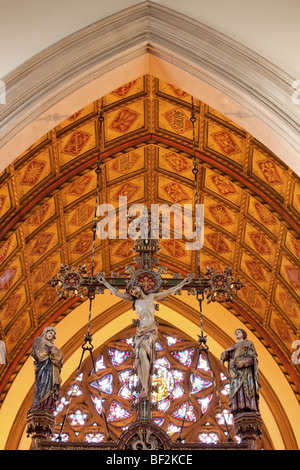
[146, 331]
[243, 373]
[48, 361]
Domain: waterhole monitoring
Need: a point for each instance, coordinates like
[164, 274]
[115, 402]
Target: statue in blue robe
[48, 361]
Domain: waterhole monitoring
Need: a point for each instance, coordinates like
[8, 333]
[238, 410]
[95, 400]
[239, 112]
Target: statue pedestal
[39, 425]
[248, 425]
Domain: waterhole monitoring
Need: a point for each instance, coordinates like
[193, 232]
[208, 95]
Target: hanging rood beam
[216, 286]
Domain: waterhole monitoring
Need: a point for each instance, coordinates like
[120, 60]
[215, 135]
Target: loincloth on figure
[146, 342]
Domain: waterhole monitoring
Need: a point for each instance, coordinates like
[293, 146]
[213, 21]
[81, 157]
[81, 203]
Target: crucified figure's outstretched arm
[113, 290]
[172, 290]
[157, 296]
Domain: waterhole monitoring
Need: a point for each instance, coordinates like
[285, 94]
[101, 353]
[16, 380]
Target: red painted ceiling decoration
[251, 201]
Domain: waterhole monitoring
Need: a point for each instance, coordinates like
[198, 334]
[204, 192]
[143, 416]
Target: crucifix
[143, 288]
[145, 285]
[216, 286]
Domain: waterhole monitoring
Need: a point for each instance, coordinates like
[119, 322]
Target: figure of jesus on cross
[146, 332]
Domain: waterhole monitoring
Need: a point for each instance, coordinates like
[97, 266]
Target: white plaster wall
[268, 27]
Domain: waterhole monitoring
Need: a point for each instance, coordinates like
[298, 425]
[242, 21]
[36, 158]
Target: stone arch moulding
[149, 39]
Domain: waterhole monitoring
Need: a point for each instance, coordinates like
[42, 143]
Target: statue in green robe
[243, 374]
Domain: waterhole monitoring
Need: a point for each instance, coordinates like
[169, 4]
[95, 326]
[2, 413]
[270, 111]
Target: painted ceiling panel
[251, 203]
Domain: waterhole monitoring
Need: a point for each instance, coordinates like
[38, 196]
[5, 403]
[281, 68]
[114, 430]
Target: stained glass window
[126, 393]
[163, 362]
[74, 390]
[177, 384]
[163, 383]
[78, 418]
[198, 383]
[178, 392]
[94, 437]
[208, 437]
[104, 384]
[129, 341]
[62, 403]
[225, 415]
[171, 340]
[125, 375]
[178, 375]
[203, 363]
[117, 412]
[173, 429]
[99, 364]
[204, 402]
[98, 402]
[117, 356]
[163, 405]
[185, 411]
[185, 356]
[225, 390]
[158, 421]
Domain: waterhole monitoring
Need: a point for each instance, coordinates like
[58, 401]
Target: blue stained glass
[177, 392]
[78, 418]
[162, 361]
[187, 411]
[185, 356]
[158, 421]
[203, 363]
[198, 383]
[158, 347]
[124, 376]
[208, 437]
[125, 392]
[117, 412]
[117, 356]
[63, 402]
[94, 437]
[99, 365]
[178, 375]
[105, 383]
[171, 340]
[98, 403]
[163, 405]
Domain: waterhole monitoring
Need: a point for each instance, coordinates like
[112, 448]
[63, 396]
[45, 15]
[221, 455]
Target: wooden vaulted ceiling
[47, 200]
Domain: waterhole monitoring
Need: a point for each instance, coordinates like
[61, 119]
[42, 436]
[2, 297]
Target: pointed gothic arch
[42, 101]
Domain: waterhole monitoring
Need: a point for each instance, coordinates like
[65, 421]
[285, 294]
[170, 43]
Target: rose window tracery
[184, 399]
